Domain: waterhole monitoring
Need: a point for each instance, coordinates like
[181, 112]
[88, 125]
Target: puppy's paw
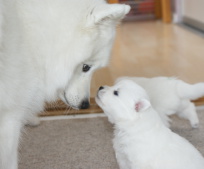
[165, 119]
[194, 121]
[33, 121]
[195, 125]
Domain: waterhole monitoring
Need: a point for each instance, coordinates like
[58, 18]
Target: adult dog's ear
[142, 105]
[107, 13]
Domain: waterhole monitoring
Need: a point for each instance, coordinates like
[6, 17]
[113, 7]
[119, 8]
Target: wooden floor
[152, 48]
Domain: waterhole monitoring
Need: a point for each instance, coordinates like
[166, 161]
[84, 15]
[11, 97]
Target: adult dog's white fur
[44, 45]
[170, 95]
[141, 139]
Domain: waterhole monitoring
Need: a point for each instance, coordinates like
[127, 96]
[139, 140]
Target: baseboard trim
[193, 23]
[199, 102]
[60, 109]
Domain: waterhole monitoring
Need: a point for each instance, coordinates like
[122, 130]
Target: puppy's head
[122, 102]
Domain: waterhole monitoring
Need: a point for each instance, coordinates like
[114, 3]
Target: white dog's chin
[64, 99]
[98, 100]
[70, 105]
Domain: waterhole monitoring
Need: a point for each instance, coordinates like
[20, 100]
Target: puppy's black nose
[101, 88]
[85, 104]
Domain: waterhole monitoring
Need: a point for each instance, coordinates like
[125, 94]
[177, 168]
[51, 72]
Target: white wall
[193, 9]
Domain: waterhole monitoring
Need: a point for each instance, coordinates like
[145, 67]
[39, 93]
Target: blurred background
[185, 11]
[157, 38]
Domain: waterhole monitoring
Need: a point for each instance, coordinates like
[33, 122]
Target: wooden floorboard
[59, 108]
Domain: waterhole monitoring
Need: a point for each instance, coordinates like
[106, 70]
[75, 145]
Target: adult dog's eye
[86, 68]
[115, 92]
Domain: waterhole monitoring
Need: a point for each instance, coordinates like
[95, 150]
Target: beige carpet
[83, 143]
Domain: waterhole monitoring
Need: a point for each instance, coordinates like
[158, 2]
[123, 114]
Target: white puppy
[171, 96]
[141, 140]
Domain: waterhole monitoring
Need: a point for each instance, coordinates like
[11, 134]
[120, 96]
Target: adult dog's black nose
[101, 88]
[85, 104]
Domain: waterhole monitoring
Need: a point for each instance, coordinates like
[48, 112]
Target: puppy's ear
[107, 13]
[142, 105]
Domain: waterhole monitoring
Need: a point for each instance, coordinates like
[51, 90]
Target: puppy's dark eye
[86, 68]
[115, 92]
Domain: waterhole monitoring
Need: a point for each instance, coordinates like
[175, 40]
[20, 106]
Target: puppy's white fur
[141, 139]
[171, 96]
[43, 47]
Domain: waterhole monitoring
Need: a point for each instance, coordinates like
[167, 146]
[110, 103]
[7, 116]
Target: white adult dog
[170, 96]
[141, 139]
[49, 49]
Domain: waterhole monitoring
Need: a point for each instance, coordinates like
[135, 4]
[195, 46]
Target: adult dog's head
[93, 43]
[90, 46]
[71, 38]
